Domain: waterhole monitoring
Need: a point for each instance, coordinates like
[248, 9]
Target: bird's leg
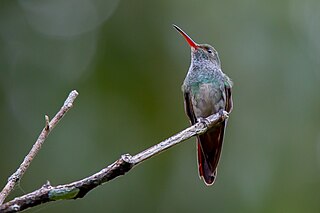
[224, 114]
[204, 121]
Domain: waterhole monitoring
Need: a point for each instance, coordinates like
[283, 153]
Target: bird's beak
[188, 39]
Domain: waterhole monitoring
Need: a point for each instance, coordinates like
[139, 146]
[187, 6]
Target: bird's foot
[204, 121]
[224, 114]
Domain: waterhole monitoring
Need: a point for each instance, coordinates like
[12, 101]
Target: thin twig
[49, 125]
[79, 189]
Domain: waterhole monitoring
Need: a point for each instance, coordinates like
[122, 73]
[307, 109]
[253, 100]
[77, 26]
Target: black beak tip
[176, 27]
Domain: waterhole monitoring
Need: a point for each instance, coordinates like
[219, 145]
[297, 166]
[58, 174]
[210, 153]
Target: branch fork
[80, 188]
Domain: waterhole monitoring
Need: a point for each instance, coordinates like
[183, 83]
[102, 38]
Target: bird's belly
[207, 100]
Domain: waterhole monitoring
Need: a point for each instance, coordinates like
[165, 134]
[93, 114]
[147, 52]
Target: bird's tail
[209, 150]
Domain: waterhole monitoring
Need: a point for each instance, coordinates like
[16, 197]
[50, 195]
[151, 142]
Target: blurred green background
[128, 64]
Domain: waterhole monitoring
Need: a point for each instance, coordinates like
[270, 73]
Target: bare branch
[197, 129]
[15, 177]
[79, 189]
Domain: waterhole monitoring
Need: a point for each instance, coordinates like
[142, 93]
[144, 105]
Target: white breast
[208, 100]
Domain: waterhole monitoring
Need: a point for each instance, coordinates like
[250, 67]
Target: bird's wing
[188, 108]
[229, 102]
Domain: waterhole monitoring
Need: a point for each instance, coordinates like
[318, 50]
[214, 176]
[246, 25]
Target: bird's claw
[204, 121]
[224, 114]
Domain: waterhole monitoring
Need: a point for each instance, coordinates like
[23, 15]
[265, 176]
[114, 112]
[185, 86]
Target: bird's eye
[209, 50]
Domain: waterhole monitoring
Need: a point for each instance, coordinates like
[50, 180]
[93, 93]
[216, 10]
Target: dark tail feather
[209, 150]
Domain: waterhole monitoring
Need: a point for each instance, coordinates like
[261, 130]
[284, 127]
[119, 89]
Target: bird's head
[200, 53]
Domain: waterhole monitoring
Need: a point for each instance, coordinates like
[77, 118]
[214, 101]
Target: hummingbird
[206, 90]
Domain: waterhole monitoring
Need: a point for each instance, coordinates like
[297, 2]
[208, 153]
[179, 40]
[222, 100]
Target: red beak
[188, 39]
